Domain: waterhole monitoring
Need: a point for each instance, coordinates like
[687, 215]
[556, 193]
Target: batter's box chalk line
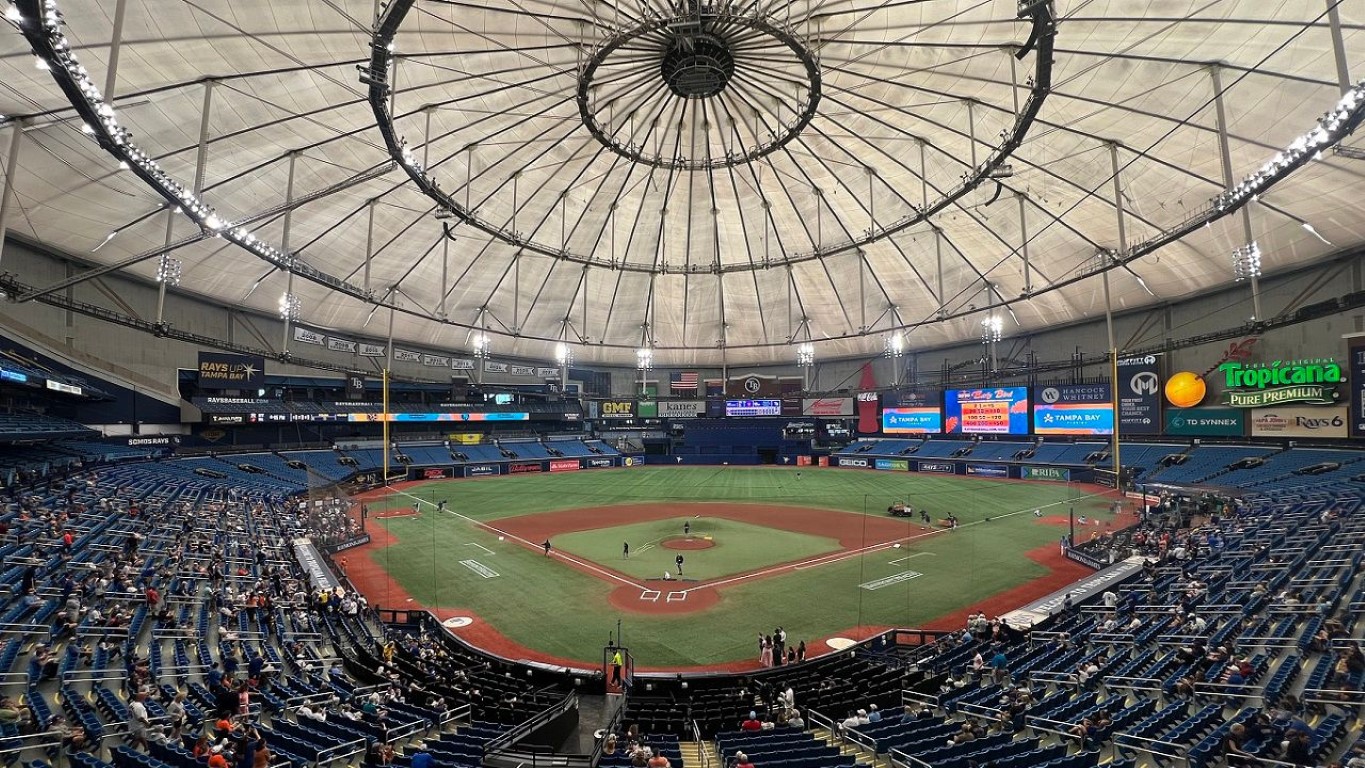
[675, 597]
[651, 595]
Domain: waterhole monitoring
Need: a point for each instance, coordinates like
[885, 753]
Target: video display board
[912, 420]
[999, 411]
[740, 408]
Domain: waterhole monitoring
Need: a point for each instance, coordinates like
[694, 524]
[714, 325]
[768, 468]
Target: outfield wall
[966, 467]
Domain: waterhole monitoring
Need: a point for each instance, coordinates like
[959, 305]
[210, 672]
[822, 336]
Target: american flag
[683, 380]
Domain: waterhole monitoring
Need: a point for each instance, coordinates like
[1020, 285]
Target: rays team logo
[752, 385]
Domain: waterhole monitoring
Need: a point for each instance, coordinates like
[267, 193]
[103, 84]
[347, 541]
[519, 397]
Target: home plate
[840, 643]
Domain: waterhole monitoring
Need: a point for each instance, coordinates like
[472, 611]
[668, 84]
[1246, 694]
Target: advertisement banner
[466, 438]
[850, 461]
[1357, 385]
[435, 473]
[522, 467]
[370, 350]
[340, 345]
[942, 467]
[988, 470]
[564, 465]
[1301, 421]
[1001, 411]
[309, 337]
[1074, 409]
[380, 417]
[1139, 386]
[1260, 385]
[221, 369]
[599, 463]
[480, 470]
[1205, 422]
[682, 409]
[827, 406]
[647, 409]
[616, 409]
[912, 420]
[900, 465]
[632, 461]
[1054, 474]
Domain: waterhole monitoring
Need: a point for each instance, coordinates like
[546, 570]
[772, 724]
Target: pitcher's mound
[687, 544]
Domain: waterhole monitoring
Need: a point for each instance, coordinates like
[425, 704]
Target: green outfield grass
[736, 547]
[544, 604]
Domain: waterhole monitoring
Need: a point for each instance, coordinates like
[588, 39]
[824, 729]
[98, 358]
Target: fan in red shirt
[752, 724]
[742, 761]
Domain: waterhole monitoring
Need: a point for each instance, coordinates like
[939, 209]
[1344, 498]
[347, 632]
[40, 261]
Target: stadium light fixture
[992, 328]
[1246, 262]
[168, 270]
[895, 345]
[644, 358]
[290, 307]
[805, 355]
[482, 344]
[563, 353]
[12, 13]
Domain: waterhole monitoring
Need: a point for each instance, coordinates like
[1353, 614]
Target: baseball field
[811, 550]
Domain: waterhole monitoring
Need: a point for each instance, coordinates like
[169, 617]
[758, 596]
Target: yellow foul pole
[385, 417]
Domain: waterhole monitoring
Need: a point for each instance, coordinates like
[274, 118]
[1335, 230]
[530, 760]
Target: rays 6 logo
[1144, 383]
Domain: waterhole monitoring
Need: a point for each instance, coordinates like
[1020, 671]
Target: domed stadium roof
[745, 174]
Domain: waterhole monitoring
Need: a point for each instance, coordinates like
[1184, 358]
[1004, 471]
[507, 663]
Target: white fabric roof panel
[502, 78]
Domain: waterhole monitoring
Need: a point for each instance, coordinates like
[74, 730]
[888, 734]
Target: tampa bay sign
[1258, 385]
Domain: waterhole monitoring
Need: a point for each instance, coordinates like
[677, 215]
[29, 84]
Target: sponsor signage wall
[1139, 393]
[1301, 421]
[647, 409]
[899, 465]
[1357, 383]
[1205, 422]
[943, 467]
[912, 420]
[220, 369]
[463, 416]
[1000, 411]
[319, 575]
[848, 461]
[1055, 474]
[988, 470]
[598, 463]
[682, 409]
[1074, 409]
[480, 470]
[521, 467]
[827, 406]
[564, 465]
[633, 461]
[616, 409]
[435, 473]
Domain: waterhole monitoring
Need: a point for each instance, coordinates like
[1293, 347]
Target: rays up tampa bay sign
[1258, 385]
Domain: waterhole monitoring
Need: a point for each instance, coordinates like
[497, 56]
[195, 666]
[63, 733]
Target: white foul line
[846, 554]
[556, 553]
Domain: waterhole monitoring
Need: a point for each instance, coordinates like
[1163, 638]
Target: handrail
[701, 750]
[525, 728]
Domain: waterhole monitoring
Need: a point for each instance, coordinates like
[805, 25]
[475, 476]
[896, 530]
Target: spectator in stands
[742, 761]
[216, 757]
[1298, 748]
[795, 720]
[873, 714]
[1000, 665]
[657, 760]
[1233, 746]
[421, 760]
[751, 724]
[176, 715]
[138, 721]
